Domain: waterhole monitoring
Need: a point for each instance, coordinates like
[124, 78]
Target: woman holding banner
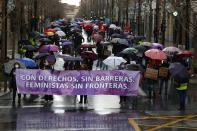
[83, 67]
[13, 83]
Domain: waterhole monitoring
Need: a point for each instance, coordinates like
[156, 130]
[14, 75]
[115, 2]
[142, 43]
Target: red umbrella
[156, 54]
[186, 53]
[50, 30]
[89, 54]
[87, 46]
[98, 38]
[88, 25]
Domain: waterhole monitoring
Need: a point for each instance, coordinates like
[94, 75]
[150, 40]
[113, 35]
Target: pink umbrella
[156, 54]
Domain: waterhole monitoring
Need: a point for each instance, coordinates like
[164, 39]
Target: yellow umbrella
[50, 34]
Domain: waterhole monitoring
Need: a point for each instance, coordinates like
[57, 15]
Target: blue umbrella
[28, 62]
[75, 25]
[66, 43]
[123, 42]
[116, 35]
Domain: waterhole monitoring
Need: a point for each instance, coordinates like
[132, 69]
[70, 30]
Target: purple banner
[48, 82]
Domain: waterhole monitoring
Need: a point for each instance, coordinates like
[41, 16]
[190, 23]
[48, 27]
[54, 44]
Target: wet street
[101, 113]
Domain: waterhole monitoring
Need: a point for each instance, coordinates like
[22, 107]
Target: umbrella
[171, 50]
[34, 34]
[57, 29]
[147, 44]
[50, 34]
[95, 27]
[130, 50]
[50, 30]
[141, 49]
[158, 47]
[51, 59]
[87, 46]
[98, 38]
[157, 44]
[43, 36]
[48, 48]
[63, 56]
[26, 42]
[112, 26]
[130, 37]
[114, 61]
[105, 43]
[186, 53]
[60, 33]
[116, 35]
[156, 54]
[179, 72]
[45, 40]
[74, 25]
[67, 43]
[87, 26]
[73, 59]
[115, 40]
[28, 62]
[139, 38]
[41, 55]
[10, 65]
[89, 54]
[29, 48]
[123, 42]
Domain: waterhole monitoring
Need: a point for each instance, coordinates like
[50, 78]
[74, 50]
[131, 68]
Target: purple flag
[116, 82]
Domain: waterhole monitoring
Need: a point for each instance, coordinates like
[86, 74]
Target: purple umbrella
[48, 48]
[67, 43]
[130, 37]
[158, 47]
[179, 72]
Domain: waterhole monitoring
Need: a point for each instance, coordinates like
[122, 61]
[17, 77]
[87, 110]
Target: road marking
[170, 123]
[133, 123]
[192, 128]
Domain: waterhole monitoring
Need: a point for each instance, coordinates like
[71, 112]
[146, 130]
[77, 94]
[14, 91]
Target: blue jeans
[162, 81]
[99, 63]
[182, 94]
[105, 67]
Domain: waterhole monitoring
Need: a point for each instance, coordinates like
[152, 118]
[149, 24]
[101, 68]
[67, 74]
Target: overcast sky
[72, 2]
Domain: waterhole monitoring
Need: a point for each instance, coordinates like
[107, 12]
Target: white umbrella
[147, 44]
[60, 33]
[96, 27]
[112, 26]
[114, 61]
[115, 40]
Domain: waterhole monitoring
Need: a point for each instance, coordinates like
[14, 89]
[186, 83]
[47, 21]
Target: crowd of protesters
[66, 37]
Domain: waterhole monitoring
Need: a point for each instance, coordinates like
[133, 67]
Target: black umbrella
[140, 37]
[34, 34]
[73, 59]
[141, 49]
[45, 40]
[26, 42]
[30, 48]
[179, 72]
[41, 55]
